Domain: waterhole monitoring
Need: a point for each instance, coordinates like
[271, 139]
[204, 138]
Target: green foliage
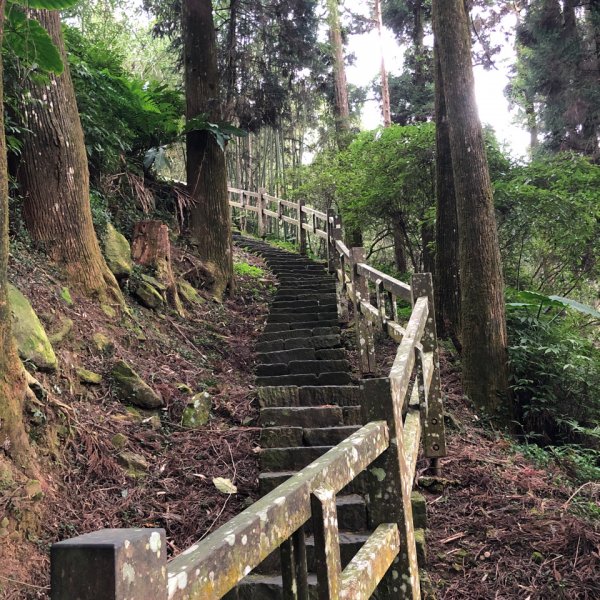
[555, 369]
[549, 218]
[122, 115]
[246, 270]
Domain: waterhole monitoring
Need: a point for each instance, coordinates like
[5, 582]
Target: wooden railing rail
[399, 410]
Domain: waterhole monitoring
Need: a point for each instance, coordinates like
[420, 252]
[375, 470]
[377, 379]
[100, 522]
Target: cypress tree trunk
[447, 281]
[210, 223]
[484, 338]
[13, 438]
[54, 178]
[385, 89]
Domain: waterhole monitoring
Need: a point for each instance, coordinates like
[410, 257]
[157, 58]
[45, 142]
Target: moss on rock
[118, 253]
[32, 340]
[197, 412]
[148, 295]
[131, 388]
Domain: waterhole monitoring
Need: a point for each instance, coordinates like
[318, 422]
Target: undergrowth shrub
[555, 368]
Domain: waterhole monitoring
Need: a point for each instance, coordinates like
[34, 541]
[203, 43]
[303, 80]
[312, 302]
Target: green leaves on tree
[222, 132]
[30, 42]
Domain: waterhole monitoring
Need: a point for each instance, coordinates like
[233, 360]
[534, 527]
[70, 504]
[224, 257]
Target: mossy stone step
[317, 342]
[318, 314]
[291, 458]
[296, 295]
[310, 379]
[305, 417]
[281, 437]
[286, 356]
[318, 366]
[267, 482]
[290, 396]
[327, 436]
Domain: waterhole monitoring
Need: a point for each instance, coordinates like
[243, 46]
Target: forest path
[308, 399]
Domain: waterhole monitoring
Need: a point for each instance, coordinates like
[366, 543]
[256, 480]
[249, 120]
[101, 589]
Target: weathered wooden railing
[131, 564]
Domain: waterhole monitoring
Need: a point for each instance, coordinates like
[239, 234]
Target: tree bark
[13, 439]
[210, 221]
[151, 247]
[341, 106]
[54, 179]
[399, 246]
[447, 280]
[385, 89]
[484, 337]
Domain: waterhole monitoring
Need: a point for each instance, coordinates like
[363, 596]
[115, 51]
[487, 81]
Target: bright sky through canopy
[489, 85]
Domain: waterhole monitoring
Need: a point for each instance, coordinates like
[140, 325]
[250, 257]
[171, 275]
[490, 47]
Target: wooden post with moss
[262, 218]
[301, 231]
[389, 484]
[432, 408]
[363, 327]
[111, 564]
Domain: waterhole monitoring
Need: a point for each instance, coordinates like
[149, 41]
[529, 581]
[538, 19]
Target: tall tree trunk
[341, 106]
[484, 337]
[13, 438]
[210, 223]
[447, 280]
[54, 178]
[385, 89]
[400, 259]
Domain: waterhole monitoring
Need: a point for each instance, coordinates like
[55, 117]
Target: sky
[489, 85]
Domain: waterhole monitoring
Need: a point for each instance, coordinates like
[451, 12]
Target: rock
[102, 343]
[65, 294]
[32, 341]
[153, 422]
[197, 412]
[117, 252]
[132, 388]
[136, 464]
[33, 489]
[148, 295]
[108, 310]
[90, 377]
[183, 387]
[155, 283]
[64, 330]
[119, 441]
[189, 293]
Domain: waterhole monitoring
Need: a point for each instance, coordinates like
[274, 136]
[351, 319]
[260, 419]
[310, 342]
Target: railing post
[110, 564]
[389, 485]
[334, 229]
[432, 410]
[301, 231]
[262, 218]
[364, 328]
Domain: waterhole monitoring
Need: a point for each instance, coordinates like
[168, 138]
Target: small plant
[246, 270]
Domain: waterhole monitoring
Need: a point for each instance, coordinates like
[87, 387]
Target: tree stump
[151, 248]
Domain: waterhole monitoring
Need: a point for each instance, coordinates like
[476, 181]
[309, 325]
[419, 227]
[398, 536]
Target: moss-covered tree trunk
[13, 439]
[210, 221]
[484, 337]
[447, 280]
[54, 179]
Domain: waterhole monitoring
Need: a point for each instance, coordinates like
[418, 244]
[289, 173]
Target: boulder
[102, 342]
[148, 295]
[131, 388]
[188, 293]
[197, 412]
[90, 377]
[117, 252]
[32, 341]
[136, 464]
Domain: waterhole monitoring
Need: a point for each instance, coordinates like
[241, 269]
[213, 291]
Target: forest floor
[500, 526]
[79, 430]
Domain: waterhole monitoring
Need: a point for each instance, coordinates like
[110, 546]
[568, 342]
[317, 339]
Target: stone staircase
[308, 401]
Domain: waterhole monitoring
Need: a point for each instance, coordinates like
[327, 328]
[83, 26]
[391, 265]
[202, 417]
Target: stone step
[317, 342]
[352, 415]
[290, 458]
[272, 336]
[301, 367]
[327, 436]
[318, 366]
[300, 416]
[299, 305]
[319, 314]
[331, 354]
[346, 395]
[296, 295]
[286, 356]
[293, 396]
[311, 379]
[313, 324]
